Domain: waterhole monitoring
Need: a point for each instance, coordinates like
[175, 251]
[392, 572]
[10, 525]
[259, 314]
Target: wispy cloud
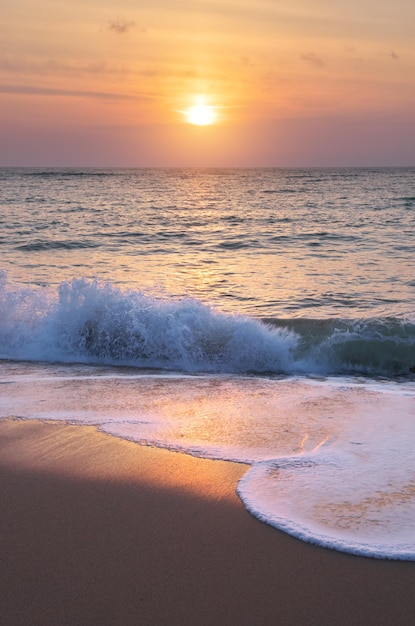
[313, 59]
[30, 90]
[21, 64]
[394, 56]
[121, 27]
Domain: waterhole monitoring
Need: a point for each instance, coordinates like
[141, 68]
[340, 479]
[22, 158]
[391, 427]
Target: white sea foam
[332, 460]
[355, 495]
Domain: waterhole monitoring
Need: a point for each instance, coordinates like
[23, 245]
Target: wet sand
[96, 530]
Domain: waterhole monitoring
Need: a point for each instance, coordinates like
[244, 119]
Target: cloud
[121, 27]
[313, 59]
[245, 61]
[394, 55]
[47, 91]
[20, 64]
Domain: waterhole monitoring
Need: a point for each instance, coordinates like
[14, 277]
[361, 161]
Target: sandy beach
[97, 530]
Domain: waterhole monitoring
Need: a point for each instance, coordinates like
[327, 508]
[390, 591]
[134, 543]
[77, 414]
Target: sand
[100, 531]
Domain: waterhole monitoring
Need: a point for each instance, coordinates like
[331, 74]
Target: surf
[91, 321]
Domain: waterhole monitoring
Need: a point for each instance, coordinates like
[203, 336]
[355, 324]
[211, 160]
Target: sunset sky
[289, 82]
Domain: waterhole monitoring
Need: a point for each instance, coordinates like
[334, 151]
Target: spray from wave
[90, 321]
[95, 322]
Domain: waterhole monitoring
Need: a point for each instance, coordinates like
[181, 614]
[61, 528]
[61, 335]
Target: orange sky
[294, 82]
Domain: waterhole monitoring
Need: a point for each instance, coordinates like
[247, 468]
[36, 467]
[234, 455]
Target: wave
[89, 321]
[60, 172]
[39, 246]
[377, 347]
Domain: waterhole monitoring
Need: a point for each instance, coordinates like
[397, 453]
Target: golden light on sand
[200, 113]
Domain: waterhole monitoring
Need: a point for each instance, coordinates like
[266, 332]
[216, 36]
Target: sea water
[260, 316]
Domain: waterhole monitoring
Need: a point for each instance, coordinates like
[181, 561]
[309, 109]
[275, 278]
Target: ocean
[263, 316]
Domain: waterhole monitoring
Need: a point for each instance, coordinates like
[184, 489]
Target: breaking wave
[96, 322]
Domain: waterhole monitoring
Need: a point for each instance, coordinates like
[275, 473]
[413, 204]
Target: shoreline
[99, 530]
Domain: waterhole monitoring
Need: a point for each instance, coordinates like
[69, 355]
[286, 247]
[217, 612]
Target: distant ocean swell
[96, 322]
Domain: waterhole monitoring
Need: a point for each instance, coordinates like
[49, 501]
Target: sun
[201, 114]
